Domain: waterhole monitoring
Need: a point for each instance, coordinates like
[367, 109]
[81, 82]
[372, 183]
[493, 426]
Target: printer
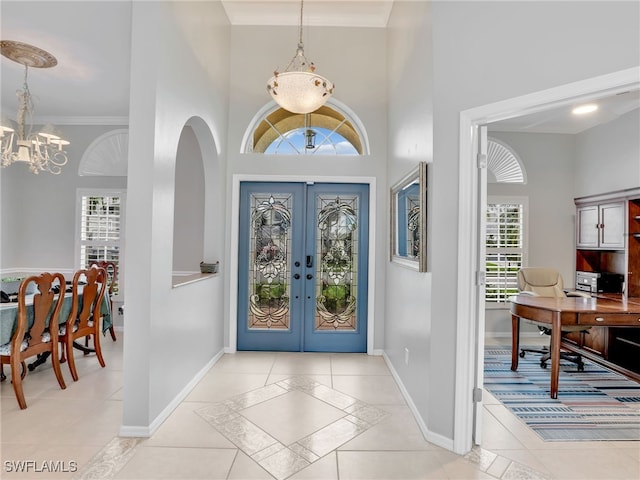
[599, 282]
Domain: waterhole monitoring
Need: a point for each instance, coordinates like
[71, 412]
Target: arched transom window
[330, 130]
[503, 163]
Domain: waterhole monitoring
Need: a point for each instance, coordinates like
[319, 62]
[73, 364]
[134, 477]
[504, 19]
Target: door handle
[297, 276]
[309, 261]
[309, 276]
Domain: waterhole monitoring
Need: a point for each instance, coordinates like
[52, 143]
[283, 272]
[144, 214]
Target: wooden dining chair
[112, 275]
[34, 338]
[87, 289]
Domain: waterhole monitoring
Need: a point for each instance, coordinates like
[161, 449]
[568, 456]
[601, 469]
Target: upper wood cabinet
[633, 253]
[601, 226]
[608, 241]
[608, 236]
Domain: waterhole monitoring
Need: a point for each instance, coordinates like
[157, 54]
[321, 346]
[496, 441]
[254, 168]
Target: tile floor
[265, 416]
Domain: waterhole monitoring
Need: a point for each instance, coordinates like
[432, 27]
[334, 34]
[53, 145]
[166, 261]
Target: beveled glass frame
[408, 240]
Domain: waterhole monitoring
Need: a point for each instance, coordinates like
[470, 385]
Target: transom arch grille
[504, 163]
[324, 131]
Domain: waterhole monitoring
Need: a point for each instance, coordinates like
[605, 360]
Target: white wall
[355, 60]
[179, 75]
[37, 212]
[188, 215]
[549, 161]
[478, 53]
[609, 153]
[484, 52]
[408, 295]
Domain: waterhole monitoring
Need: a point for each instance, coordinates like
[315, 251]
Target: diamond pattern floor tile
[237, 419]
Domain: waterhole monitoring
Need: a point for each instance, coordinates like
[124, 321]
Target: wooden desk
[557, 312]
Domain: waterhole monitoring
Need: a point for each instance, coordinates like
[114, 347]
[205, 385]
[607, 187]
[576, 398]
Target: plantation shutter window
[504, 250]
[100, 228]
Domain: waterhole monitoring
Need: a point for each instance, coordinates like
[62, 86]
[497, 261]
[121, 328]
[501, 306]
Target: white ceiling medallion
[107, 155]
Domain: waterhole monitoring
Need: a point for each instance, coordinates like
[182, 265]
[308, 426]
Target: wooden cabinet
[608, 236]
[608, 241]
[633, 254]
[601, 226]
[625, 348]
[594, 340]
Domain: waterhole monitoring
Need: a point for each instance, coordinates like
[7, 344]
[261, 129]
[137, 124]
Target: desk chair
[547, 282]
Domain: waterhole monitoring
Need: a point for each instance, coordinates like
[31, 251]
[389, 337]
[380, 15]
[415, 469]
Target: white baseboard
[429, 436]
[147, 431]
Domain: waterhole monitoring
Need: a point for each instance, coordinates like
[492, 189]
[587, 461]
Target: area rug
[594, 405]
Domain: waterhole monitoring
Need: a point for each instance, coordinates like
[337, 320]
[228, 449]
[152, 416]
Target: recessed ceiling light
[582, 109]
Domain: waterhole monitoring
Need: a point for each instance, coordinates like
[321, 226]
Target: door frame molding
[236, 179]
[467, 327]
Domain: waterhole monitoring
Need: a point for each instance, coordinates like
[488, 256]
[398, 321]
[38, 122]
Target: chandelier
[41, 151]
[299, 89]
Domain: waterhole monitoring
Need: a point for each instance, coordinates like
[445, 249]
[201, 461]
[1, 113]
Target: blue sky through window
[326, 143]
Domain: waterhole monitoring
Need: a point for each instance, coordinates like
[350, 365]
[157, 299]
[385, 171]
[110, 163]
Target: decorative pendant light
[41, 151]
[299, 89]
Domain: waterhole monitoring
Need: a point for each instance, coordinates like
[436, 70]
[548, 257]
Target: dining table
[9, 319]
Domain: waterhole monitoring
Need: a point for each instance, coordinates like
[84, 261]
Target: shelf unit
[633, 247]
[617, 348]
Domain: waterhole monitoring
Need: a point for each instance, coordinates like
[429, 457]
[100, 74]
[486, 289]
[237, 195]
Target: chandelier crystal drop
[299, 89]
[42, 151]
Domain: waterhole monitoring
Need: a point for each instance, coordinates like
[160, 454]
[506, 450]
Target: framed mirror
[409, 220]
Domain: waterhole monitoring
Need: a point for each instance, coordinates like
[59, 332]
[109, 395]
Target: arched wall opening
[196, 199]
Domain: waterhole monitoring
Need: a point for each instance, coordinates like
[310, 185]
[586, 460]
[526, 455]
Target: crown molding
[81, 120]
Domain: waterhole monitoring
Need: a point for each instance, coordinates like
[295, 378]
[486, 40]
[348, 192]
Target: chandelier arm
[42, 151]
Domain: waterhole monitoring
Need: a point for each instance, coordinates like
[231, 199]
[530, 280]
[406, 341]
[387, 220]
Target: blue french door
[303, 267]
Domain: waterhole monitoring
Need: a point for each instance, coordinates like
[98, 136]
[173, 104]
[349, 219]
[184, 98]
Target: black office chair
[547, 282]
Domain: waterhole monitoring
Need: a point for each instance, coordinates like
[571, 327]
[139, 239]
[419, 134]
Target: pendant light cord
[301, 8]
[25, 106]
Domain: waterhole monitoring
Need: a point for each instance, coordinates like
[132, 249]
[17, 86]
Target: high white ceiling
[334, 13]
[90, 40]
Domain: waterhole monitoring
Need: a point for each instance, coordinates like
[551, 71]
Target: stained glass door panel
[302, 267]
[337, 234]
[268, 297]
